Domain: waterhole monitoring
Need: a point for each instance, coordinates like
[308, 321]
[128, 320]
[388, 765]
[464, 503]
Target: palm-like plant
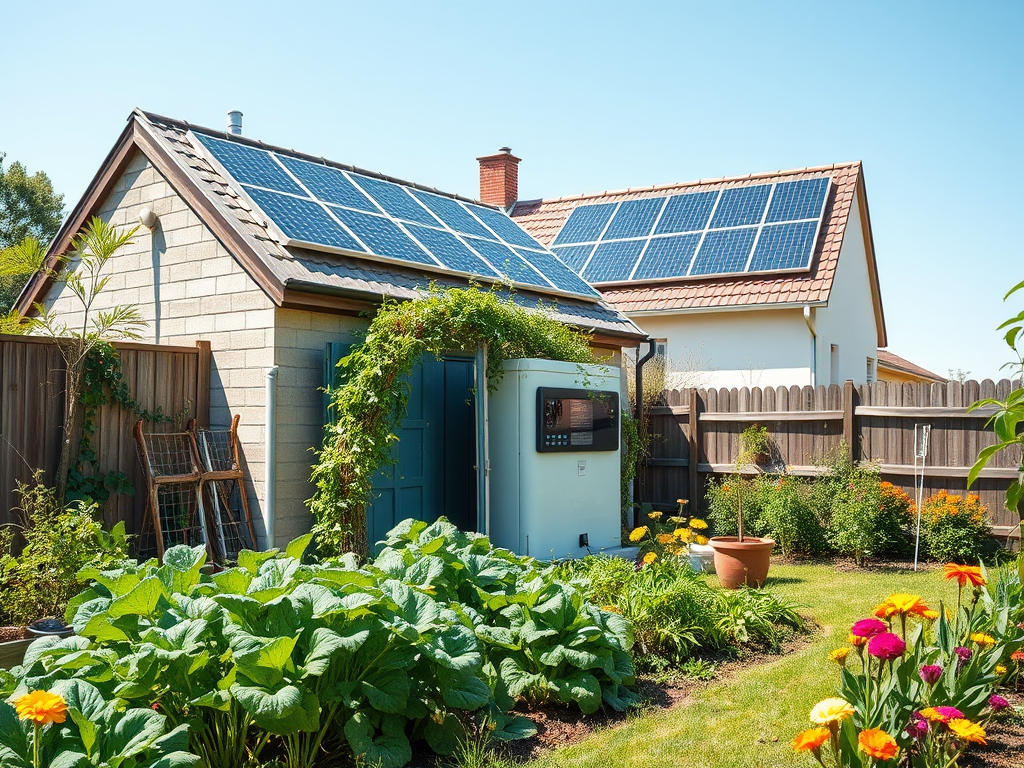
[87, 327]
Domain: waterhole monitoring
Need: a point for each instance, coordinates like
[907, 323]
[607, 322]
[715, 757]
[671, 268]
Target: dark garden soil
[1005, 748]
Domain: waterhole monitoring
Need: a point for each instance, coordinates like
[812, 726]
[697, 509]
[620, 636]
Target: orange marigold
[811, 739]
[878, 744]
[967, 730]
[41, 707]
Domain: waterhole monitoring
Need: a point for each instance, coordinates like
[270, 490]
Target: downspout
[809, 319]
[270, 459]
[483, 444]
[639, 389]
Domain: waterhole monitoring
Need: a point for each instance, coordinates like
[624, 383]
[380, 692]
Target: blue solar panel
[741, 205]
[794, 200]
[585, 223]
[382, 236]
[508, 263]
[784, 246]
[724, 251]
[301, 219]
[563, 278]
[453, 214]
[250, 166]
[613, 261]
[394, 199]
[635, 218]
[667, 257]
[574, 255]
[504, 227]
[686, 213]
[450, 251]
[328, 184]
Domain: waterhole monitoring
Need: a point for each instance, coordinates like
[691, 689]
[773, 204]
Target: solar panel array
[757, 228]
[326, 207]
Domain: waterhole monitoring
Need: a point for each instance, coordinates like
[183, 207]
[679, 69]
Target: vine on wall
[372, 400]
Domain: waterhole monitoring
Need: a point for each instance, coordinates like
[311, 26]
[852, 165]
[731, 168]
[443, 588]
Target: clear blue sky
[592, 96]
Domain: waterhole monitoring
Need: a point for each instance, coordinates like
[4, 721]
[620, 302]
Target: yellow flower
[698, 524]
[839, 656]
[676, 520]
[967, 730]
[654, 515]
[639, 533]
[665, 538]
[930, 615]
[683, 534]
[611, 609]
[985, 641]
[41, 707]
[856, 640]
[702, 540]
[903, 603]
[1000, 669]
[649, 558]
[829, 711]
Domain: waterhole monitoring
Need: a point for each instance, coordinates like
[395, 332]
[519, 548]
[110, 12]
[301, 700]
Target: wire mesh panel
[170, 455]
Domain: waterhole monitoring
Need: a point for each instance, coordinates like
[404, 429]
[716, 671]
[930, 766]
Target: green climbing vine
[102, 381]
[373, 396]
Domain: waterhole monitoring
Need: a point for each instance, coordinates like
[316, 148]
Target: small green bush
[869, 518]
[675, 613]
[59, 542]
[954, 528]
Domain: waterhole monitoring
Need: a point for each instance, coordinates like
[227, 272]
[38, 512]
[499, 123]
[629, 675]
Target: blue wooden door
[435, 472]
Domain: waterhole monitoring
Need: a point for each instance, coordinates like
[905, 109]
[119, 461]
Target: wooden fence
[175, 379]
[806, 423]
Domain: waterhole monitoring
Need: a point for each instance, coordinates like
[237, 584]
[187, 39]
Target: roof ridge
[696, 183]
[152, 117]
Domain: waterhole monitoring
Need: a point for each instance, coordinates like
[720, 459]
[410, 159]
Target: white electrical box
[555, 459]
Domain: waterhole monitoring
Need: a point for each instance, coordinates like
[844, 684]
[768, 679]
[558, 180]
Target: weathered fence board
[694, 433]
[175, 379]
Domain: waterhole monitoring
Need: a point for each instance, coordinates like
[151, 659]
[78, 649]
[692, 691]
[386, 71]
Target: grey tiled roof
[305, 270]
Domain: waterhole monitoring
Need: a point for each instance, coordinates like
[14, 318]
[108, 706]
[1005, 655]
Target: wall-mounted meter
[574, 420]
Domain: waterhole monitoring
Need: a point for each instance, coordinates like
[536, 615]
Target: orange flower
[649, 558]
[839, 656]
[985, 641]
[811, 739]
[41, 707]
[878, 744]
[856, 641]
[930, 615]
[964, 574]
[967, 731]
[906, 604]
[664, 538]
[1017, 656]
[611, 609]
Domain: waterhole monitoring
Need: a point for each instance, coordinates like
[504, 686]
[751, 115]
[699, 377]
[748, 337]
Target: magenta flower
[869, 628]
[931, 673]
[997, 702]
[918, 727]
[949, 713]
[886, 646]
[964, 653]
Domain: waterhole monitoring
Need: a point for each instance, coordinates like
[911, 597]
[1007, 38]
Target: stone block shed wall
[187, 286]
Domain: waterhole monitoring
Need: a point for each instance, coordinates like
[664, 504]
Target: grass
[748, 719]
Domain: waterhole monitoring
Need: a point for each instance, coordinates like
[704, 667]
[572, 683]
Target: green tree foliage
[29, 207]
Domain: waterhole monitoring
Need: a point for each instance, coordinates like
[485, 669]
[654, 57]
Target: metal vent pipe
[235, 122]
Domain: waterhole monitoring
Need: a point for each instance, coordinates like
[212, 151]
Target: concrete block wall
[188, 287]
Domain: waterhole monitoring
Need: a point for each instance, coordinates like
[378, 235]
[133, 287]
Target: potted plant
[744, 560]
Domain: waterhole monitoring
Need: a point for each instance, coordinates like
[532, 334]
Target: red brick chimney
[499, 178]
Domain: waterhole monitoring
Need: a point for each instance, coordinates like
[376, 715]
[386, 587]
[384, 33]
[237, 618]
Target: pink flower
[918, 727]
[964, 653]
[869, 628]
[997, 702]
[886, 646]
[931, 673]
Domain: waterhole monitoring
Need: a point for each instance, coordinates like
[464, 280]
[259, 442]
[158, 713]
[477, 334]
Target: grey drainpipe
[270, 459]
[639, 388]
[810, 320]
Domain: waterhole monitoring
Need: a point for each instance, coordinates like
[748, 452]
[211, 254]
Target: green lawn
[748, 719]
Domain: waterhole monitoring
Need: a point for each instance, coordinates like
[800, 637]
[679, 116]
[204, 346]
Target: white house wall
[751, 346]
[849, 319]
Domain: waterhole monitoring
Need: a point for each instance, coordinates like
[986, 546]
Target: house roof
[544, 219]
[291, 276]
[887, 359]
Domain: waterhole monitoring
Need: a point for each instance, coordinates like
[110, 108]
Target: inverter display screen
[574, 420]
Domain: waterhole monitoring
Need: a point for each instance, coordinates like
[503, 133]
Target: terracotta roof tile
[887, 359]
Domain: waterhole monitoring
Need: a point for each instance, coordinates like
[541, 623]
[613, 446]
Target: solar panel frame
[794, 239]
[451, 251]
[383, 236]
[557, 272]
[734, 244]
[285, 206]
[568, 255]
[394, 200]
[597, 226]
[741, 206]
[507, 262]
[258, 169]
[505, 230]
[654, 255]
[668, 223]
[327, 184]
[610, 254]
[634, 218]
[791, 196]
[453, 214]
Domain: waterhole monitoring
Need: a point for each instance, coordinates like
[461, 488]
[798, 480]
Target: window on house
[871, 370]
[661, 347]
[833, 367]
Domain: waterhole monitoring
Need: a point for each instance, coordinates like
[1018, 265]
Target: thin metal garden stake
[921, 433]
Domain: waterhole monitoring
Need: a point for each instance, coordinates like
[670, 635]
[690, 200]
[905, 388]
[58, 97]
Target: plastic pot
[739, 563]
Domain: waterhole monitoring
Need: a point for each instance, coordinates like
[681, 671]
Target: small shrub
[869, 518]
[722, 500]
[955, 528]
[59, 542]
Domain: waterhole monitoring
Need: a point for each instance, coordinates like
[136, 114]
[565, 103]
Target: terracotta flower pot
[742, 562]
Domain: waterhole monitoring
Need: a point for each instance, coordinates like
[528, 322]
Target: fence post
[694, 441]
[849, 420]
[203, 384]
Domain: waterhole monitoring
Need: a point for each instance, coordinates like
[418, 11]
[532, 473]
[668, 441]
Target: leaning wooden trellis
[196, 491]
